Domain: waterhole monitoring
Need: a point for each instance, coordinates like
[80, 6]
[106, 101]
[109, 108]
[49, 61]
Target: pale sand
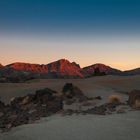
[89, 127]
[81, 127]
[96, 86]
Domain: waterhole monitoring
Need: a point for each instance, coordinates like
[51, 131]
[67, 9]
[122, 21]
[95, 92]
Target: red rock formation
[134, 98]
[64, 67]
[61, 68]
[29, 67]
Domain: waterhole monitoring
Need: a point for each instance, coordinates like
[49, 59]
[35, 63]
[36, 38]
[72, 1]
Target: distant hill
[20, 72]
[132, 72]
[28, 67]
[100, 69]
[58, 69]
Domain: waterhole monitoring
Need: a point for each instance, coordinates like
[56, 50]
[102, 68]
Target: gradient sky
[85, 31]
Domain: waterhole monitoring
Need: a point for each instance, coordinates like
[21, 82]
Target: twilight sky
[85, 31]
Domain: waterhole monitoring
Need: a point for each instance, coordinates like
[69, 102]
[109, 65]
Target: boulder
[70, 91]
[44, 95]
[27, 109]
[2, 105]
[134, 98]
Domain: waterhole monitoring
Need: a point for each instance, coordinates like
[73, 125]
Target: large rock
[27, 109]
[2, 108]
[134, 98]
[70, 91]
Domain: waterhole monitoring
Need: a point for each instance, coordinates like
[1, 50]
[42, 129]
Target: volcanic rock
[27, 109]
[72, 92]
[134, 98]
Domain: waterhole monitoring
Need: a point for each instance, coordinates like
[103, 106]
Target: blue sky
[66, 16]
[69, 22]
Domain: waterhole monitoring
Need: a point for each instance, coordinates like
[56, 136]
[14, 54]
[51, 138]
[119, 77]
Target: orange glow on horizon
[119, 54]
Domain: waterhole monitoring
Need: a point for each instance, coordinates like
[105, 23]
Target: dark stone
[27, 109]
[70, 91]
[133, 96]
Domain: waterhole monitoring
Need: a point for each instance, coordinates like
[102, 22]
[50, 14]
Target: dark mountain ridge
[58, 69]
[100, 69]
[132, 72]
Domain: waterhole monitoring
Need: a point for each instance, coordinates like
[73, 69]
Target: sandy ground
[78, 127]
[96, 86]
[81, 127]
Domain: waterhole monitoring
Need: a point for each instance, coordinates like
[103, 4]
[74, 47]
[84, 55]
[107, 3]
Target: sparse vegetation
[115, 99]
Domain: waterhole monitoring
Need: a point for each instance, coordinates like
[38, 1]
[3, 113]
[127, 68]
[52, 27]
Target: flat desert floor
[78, 127]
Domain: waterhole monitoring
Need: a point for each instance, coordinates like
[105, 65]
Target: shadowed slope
[101, 68]
[132, 72]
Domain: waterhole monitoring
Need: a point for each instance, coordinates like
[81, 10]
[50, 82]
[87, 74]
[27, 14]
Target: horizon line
[32, 63]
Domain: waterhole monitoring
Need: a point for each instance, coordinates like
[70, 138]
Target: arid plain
[82, 127]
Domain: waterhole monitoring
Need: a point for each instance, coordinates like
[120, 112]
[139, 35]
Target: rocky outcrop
[45, 102]
[72, 92]
[134, 98]
[29, 108]
[64, 68]
[58, 69]
[29, 67]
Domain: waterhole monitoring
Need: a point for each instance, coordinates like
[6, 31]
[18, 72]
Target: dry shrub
[137, 103]
[114, 99]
